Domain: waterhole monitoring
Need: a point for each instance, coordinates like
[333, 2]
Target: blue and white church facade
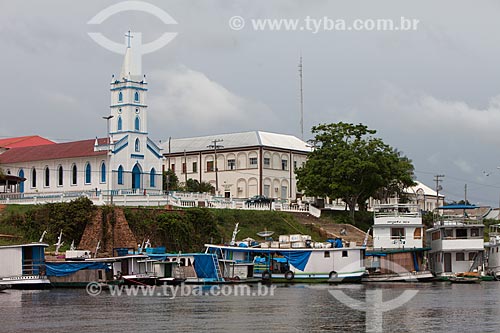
[126, 161]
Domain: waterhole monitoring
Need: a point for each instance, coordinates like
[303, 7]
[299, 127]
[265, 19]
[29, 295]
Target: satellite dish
[265, 233]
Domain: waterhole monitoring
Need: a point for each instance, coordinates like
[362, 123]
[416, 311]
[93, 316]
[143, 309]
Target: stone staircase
[328, 229]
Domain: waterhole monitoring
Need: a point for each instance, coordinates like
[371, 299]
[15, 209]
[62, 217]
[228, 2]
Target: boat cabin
[23, 266]
[397, 226]
[456, 241]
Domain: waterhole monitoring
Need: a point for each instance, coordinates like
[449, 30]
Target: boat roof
[458, 207]
[381, 253]
[277, 250]
[129, 256]
[24, 245]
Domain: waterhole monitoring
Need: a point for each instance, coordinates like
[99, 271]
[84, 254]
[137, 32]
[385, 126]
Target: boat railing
[33, 267]
[397, 214]
[462, 237]
[458, 221]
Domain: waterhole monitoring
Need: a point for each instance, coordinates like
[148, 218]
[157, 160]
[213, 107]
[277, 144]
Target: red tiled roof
[24, 141]
[53, 151]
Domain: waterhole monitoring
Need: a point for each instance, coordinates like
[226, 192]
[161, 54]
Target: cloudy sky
[433, 93]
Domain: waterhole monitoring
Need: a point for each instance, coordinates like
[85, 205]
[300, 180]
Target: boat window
[448, 233]
[327, 254]
[461, 233]
[189, 262]
[344, 253]
[497, 249]
[99, 274]
[183, 261]
[474, 232]
[460, 256]
[472, 256]
[397, 233]
[436, 235]
[417, 234]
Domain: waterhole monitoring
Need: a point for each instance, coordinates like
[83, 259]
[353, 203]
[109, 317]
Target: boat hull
[26, 282]
[424, 276]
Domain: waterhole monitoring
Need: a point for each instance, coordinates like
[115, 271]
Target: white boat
[294, 258]
[23, 266]
[492, 250]
[398, 253]
[456, 241]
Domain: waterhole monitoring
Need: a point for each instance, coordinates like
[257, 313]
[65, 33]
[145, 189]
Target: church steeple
[128, 97]
[130, 67]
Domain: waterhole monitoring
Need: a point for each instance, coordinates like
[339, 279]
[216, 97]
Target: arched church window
[120, 175]
[21, 185]
[88, 173]
[120, 123]
[60, 175]
[33, 177]
[120, 97]
[137, 123]
[137, 145]
[136, 96]
[47, 177]
[152, 177]
[73, 174]
[103, 172]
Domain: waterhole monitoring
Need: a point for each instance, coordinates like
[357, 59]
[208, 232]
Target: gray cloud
[432, 93]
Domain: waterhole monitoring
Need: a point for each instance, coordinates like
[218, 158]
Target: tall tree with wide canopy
[348, 163]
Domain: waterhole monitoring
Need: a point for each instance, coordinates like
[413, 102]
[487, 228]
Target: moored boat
[492, 250]
[294, 258]
[398, 254]
[456, 241]
[466, 277]
[23, 266]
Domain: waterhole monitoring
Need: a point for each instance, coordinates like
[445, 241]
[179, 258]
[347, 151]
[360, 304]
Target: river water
[435, 307]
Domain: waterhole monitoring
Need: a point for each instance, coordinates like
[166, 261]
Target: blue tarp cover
[204, 266]
[459, 207]
[65, 269]
[298, 259]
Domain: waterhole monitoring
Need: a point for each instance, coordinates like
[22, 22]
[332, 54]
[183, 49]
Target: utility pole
[465, 195]
[168, 164]
[437, 179]
[214, 146]
[301, 100]
[184, 169]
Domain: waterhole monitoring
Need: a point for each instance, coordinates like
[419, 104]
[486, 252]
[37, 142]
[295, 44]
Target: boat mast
[235, 232]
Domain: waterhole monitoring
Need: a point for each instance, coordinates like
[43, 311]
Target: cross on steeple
[129, 35]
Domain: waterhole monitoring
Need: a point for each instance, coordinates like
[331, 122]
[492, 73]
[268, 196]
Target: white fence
[156, 199]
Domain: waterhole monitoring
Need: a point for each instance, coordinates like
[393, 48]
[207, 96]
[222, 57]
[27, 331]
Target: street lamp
[108, 169]
[214, 146]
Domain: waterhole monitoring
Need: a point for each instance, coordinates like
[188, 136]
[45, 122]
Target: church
[127, 160]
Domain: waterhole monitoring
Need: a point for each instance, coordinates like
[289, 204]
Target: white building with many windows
[240, 165]
[127, 160]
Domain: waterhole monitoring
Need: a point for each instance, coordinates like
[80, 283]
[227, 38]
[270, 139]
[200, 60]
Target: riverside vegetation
[179, 230]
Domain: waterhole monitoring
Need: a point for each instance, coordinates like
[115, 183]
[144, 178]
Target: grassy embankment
[185, 230]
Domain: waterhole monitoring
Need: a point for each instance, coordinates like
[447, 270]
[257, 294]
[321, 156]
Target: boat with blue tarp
[294, 258]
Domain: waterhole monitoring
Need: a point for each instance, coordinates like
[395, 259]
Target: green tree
[170, 181]
[192, 185]
[348, 163]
